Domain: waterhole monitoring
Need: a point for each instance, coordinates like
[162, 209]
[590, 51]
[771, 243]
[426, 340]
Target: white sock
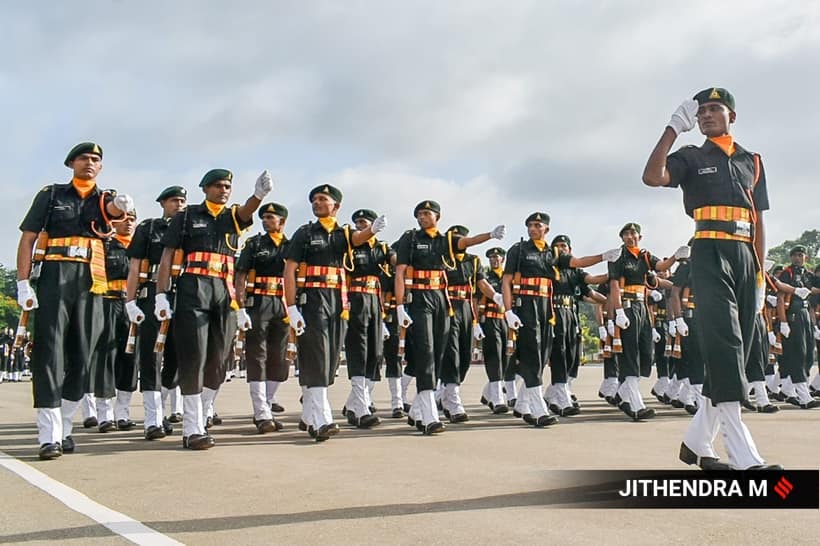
[535, 397]
[357, 400]
[761, 398]
[89, 406]
[193, 421]
[207, 397]
[121, 410]
[702, 429]
[67, 410]
[405, 382]
[270, 388]
[105, 409]
[394, 384]
[736, 437]
[259, 402]
[49, 425]
[512, 390]
[152, 404]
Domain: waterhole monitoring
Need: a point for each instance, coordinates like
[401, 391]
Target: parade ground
[487, 481]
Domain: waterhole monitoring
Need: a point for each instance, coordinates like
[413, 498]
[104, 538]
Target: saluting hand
[685, 117]
[264, 185]
[683, 253]
[802, 292]
[498, 232]
[124, 202]
[611, 255]
[378, 224]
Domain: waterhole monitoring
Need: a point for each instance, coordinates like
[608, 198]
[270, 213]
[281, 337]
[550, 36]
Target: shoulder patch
[687, 147]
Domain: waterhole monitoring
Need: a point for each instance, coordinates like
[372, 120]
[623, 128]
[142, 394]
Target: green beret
[215, 175]
[538, 217]
[561, 239]
[172, 191]
[334, 192]
[627, 227]
[461, 230]
[367, 214]
[83, 148]
[716, 94]
[275, 208]
[495, 251]
[427, 205]
[798, 248]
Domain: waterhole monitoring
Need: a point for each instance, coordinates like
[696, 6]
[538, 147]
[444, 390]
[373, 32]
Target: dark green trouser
[111, 366]
[723, 277]
[564, 344]
[494, 347]
[391, 347]
[636, 358]
[266, 342]
[155, 370]
[67, 326]
[458, 353]
[320, 345]
[534, 338]
[428, 336]
[364, 343]
[759, 354]
[798, 348]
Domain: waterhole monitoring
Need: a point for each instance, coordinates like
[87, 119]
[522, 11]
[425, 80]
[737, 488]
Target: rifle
[22, 326]
[291, 352]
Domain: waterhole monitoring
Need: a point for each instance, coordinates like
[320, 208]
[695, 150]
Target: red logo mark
[783, 488]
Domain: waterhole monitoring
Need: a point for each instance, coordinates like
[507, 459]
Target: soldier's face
[496, 261]
[218, 192]
[86, 166]
[362, 224]
[126, 226]
[537, 230]
[631, 238]
[426, 219]
[173, 205]
[714, 119]
[563, 248]
[324, 205]
[272, 223]
[798, 258]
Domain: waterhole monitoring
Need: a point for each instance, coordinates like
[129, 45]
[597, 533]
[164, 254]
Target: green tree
[810, 239]
[589, 332]
[9, 310]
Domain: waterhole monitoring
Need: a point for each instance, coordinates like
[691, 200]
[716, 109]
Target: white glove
[684, 118]
[772, 339]
[655, 295]
[621, 319]
[264, 185]
[498, 299]
[162, 308]
[478, 333]
[602, 333]
[802, 292]
[785, 329]
[681, 326]
[772, 300]
[404, 318]
[385, 331]
[26, 296]
[760, 294]
[611, 255]
[512, 320]
[672, 328]
[243, 320]
[498, 232]
[682, 253]
[817, 333]
[124, 202]
[297, 321]
[610, 327]
[135, 314]
[378, 224]
[656, 336]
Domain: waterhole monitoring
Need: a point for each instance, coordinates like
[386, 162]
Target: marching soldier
[62, 232]
[113, 370]
[157, 371]
[260, 288]
[315, 282]
[494, 331]
[527, 286]
[420, 288]
[208, 237]
[629, 277]
[724, 191]
[797, 328]
[364, 340]
[393, 365]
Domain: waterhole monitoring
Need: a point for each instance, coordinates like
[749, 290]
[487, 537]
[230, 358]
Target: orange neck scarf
[276, 237]
[124, 240]
[634, 250]
[84, 187]
[214, 208]
[725, 143]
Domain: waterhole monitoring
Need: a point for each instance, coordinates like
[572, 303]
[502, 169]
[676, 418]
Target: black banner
[784, 489]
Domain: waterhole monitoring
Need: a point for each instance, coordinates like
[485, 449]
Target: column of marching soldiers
[167, 305]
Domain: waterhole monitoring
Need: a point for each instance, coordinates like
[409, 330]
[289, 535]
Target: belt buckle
[215, 266]
[743, 228]
[77, 252]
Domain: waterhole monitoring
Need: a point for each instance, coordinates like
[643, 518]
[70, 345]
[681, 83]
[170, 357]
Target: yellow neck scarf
[460, 256]
[276, 237]
[328, 222]
[499, 272]
[214, 208]
[432, 232]
[540, 244]
[725, 143]
[84, 187]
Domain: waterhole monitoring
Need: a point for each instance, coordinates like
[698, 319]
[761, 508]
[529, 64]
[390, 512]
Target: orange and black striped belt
[116, 289]
[87, 250]
[493, 314]
[321, 276]
[540, 287]
[426, 279]
[367, 284]
[209, 264]
[460, 292]
[268, 286]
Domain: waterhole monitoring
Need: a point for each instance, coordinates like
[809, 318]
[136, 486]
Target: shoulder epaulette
[686, 147]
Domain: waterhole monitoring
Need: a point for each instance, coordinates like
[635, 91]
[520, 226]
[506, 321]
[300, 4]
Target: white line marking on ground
[129, 529]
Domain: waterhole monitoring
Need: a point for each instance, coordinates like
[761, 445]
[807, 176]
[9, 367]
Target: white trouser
[535, 398]
[609, 386]
[208, 396]
[89, 406]
[761, 397]
[270, 391]
[396, 400]
[49, 425]
[68, 408]
[357, 400]
[259, 401]
[121, 410]
[193, 419]
[105, 409]
[494, 393]
[152, 405]
[736, 437]
[629, 393]
[451, 399]
[426, 402]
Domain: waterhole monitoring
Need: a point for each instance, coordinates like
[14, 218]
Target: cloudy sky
[495, 109]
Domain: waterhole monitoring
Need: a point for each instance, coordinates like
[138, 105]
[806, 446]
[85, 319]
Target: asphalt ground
[488, 481]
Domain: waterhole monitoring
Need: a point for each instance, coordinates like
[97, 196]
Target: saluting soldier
[494, 332]
[528, 289]
[364, 340]
[260, 288]
[114, 372]
[797, 328]
[420, 288]
[316, 294]
[67, 222]
[205, 317]
[157, 371]
[724, 191]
